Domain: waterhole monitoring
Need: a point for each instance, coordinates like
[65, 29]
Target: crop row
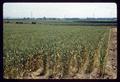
[59, 50]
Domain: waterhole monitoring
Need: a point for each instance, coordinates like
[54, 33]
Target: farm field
[40, 51]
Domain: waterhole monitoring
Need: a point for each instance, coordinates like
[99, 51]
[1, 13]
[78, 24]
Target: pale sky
[60, 10]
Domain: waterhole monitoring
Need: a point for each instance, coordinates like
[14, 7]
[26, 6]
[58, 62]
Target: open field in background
[65, 21]
[55, 51]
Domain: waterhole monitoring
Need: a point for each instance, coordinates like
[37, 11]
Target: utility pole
[94, 13]
[31, 15]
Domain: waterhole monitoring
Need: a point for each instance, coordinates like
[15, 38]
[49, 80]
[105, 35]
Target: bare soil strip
[111, 65]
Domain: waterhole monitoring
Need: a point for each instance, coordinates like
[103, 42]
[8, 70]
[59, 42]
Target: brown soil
[111, 66]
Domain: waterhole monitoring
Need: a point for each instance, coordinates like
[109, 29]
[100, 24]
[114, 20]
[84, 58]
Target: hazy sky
[60, 10]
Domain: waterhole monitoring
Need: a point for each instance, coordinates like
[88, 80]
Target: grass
[60, 50]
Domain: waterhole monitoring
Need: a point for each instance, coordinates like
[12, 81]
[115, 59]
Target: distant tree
[7, 22]
[19, 22]
[33, 22]
[44, 18]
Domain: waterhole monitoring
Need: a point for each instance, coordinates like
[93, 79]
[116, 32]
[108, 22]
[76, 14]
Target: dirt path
[111, 65]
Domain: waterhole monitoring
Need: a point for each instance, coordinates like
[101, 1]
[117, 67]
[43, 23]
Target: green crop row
[59, 50]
